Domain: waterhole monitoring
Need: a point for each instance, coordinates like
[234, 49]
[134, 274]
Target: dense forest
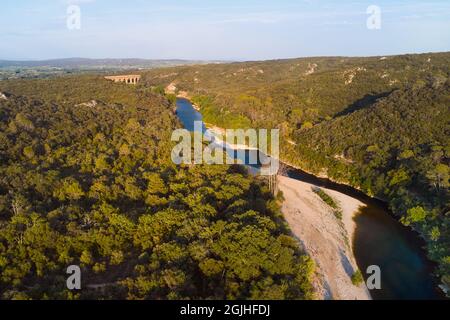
[86, 179]
[380, 124]
[397, 150]
[297, 93]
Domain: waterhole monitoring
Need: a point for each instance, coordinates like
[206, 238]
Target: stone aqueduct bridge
[130, 78]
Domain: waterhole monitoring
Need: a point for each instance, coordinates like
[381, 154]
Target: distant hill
[296, 91]
[60, 67]
[80, 63]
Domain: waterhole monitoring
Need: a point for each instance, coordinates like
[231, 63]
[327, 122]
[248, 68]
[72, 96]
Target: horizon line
[225, 60]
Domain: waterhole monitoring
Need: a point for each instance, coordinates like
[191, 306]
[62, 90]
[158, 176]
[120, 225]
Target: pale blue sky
[220, 29]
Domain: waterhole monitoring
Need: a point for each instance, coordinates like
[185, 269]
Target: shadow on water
[405, 270]
[380, 239]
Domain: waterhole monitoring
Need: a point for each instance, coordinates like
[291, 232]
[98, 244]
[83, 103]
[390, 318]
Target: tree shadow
[346, 264]
[366, 101]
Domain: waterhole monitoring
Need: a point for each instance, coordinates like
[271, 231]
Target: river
[380, 239]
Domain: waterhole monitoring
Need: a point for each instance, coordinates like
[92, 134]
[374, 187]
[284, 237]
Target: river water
[380, 239]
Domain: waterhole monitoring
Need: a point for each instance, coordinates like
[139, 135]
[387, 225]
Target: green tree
[69, 190]
[357, 278]
[414, 215]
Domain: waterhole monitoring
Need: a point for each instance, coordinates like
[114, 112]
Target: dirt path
[324, 237]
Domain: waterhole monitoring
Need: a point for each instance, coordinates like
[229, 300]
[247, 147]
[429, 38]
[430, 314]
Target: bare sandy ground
[326, 238]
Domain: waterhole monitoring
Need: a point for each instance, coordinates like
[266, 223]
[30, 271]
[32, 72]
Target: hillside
[298, 92]
[399, 150]
[87, 180]
[380, 124]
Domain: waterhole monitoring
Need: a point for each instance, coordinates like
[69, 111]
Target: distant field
[49, 68]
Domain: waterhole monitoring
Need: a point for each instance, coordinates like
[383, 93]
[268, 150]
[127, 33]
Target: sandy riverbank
[326, 239]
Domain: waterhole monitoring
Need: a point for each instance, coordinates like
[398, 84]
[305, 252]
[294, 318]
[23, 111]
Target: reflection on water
[379, 239]
[188, 115]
